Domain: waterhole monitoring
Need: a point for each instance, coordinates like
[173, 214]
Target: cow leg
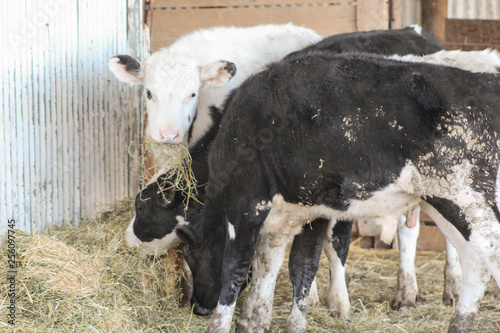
[243, 232]
[452, 275]
[277, 232]
[186, 284]
[257, 307]
[313, 298]
[303, 265]
[406, 289]
[474, 271]
[336, 248]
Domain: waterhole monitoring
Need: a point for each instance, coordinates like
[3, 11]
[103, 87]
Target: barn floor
[85, 279]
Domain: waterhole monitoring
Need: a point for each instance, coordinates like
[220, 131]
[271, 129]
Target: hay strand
[176, 160]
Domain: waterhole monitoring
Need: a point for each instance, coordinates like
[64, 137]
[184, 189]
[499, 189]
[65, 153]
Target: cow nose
[199, 310]
[168, 135]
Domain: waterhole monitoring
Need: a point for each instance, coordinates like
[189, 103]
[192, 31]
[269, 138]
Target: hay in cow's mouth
[177, 161]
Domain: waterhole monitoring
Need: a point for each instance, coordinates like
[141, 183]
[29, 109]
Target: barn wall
[474, 10]
[473, 25]
[174, 18]
[65, 122]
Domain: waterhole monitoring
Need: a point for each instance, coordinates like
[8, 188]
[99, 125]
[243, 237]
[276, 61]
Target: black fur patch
[452, 213]
[130, 63]
[341, 238]
[230, 68]
[429, 99]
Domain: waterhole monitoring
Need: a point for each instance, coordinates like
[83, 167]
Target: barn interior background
[66, 124]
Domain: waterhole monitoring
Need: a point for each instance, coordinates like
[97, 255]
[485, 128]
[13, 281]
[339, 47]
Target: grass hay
[176, 160]
[104, 286]
[64, 269]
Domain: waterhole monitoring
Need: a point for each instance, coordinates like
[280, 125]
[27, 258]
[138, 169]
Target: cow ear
[188, 234]
[217, 73]
[126, 69]
[167, 189]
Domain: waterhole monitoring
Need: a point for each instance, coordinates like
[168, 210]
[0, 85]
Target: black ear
[189, 234]
[126, 69]
[217, 73]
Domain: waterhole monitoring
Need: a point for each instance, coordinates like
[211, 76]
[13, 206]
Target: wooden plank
[171, 24]
[241, 3]
[372, 15]
[434, 17]
[483, 32]
[430, 239]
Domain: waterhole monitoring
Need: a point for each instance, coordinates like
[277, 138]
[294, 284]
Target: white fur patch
[230, 231]
[257, 308]
[296, 321]
[130, 237]
[156, 246]
[221, 318]
[338, 296]
[417, 28]
[476, 274]
[485, 61]
[172, 74]
[406, 288]
[497, 189]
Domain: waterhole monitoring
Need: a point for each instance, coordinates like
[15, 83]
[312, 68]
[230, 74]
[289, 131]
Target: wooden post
[394, 14]
[434, 14]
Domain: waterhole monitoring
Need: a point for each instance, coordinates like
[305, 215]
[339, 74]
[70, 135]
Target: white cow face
[172, 86]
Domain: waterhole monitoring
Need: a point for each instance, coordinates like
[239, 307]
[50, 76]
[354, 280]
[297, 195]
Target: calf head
[172, 84]
[159, 210]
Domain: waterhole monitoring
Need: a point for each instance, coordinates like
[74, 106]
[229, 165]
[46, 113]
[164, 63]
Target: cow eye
[190, 97]
[148, 94]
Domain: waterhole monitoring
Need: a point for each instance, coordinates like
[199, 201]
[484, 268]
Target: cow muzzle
[168, 135]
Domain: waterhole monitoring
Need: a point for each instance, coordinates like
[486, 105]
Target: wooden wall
[174, 18]
[472, 34]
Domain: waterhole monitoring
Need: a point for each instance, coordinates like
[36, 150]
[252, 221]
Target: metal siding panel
[474, 10]
[65, 121]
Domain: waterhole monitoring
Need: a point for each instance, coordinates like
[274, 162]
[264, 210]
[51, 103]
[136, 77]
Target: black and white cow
[160, 207]
[155, 222]
[154, 231]
[341, 137]
[197, 71]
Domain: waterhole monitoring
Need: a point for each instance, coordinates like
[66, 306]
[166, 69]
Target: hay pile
[85, 279]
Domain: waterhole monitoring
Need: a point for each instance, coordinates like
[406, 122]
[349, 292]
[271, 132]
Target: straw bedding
[85, 279]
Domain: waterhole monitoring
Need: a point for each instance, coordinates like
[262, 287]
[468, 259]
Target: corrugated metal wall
[65, 121]
[411, 10]
[474, 9]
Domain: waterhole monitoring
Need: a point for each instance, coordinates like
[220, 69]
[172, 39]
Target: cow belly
[385, 206]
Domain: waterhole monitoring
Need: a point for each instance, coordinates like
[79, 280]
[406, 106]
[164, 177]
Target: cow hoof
[337, 314]
[251, 328]
[461, 323]
[450, 300]
[402, 304]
